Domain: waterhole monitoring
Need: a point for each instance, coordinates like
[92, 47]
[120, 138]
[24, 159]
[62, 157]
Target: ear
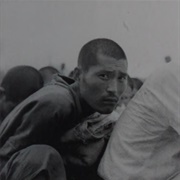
[77, 73]
[2, 92]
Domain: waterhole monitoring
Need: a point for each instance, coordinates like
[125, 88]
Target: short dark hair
[47, 72]
[87, 55]
[50, 69]
[20, 82]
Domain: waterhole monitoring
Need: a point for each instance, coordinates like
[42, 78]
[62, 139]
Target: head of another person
[137, 84]
[17, 84]
[74, 74]
[128, 93]
[102, 74]
[47, 73]
[134, 84]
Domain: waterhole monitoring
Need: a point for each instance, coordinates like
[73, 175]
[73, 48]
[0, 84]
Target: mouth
[110, 101]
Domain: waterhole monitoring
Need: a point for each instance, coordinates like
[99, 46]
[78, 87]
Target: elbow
[88, 161]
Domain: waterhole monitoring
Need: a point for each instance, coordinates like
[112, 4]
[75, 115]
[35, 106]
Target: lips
[110, 101]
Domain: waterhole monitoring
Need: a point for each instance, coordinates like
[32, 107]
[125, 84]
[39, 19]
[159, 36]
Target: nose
[113, 87]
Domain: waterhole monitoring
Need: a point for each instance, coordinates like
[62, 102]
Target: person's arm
[94, 127]
[85, 142]
[32, 122]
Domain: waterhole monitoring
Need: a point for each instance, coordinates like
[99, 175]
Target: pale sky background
[43, 32]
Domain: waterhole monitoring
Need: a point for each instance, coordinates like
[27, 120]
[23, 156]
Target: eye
[122, 78]
[103, 76]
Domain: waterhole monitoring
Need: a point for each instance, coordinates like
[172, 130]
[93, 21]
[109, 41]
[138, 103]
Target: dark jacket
[46, 117]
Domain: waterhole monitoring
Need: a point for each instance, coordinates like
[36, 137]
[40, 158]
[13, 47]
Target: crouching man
[35, 139]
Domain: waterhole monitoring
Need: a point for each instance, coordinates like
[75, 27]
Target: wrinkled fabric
[40, 119]
[97, 125]
[87, 140]
[145, 143]
[34, 162]
[45, 118]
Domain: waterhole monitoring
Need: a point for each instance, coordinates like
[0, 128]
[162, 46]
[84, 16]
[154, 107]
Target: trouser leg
[36, 162]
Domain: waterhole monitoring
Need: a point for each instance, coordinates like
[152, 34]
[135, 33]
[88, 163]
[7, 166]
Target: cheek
[98, 88]
[122, 88]
[95, 87]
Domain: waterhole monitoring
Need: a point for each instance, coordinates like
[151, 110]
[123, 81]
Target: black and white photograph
[89, 89]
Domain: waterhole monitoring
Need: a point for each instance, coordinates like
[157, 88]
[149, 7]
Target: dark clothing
[44, 118]
[34, 162]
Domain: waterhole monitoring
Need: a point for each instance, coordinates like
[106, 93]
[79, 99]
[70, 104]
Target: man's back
[43, 113]
[145, 143]
[18, 84]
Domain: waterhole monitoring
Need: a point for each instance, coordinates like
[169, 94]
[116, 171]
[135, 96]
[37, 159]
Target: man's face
[102, 85]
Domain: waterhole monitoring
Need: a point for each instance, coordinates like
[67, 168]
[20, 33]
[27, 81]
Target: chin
[106, 111]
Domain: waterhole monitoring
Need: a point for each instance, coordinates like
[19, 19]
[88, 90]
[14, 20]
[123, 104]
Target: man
[128, 94]
[145, 143]
[50, 124]
[47, 73]
[18, 83]
[100, 125]
[133, 86]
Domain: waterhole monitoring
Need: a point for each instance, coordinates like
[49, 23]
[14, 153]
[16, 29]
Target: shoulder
[50, 97]
[54, 93]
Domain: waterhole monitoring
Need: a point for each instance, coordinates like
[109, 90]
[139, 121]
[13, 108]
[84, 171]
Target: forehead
[108, 63]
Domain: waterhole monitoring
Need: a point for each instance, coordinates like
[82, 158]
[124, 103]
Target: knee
[39, 160]
[48, 160]
[42, 150]
[43, 153]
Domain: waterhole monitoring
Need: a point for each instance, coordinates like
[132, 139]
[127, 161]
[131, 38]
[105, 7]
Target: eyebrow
[109, 71]
[123, 74]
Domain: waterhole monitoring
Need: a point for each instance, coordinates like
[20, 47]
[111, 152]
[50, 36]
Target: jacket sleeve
[84, 144]
[32, 122]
